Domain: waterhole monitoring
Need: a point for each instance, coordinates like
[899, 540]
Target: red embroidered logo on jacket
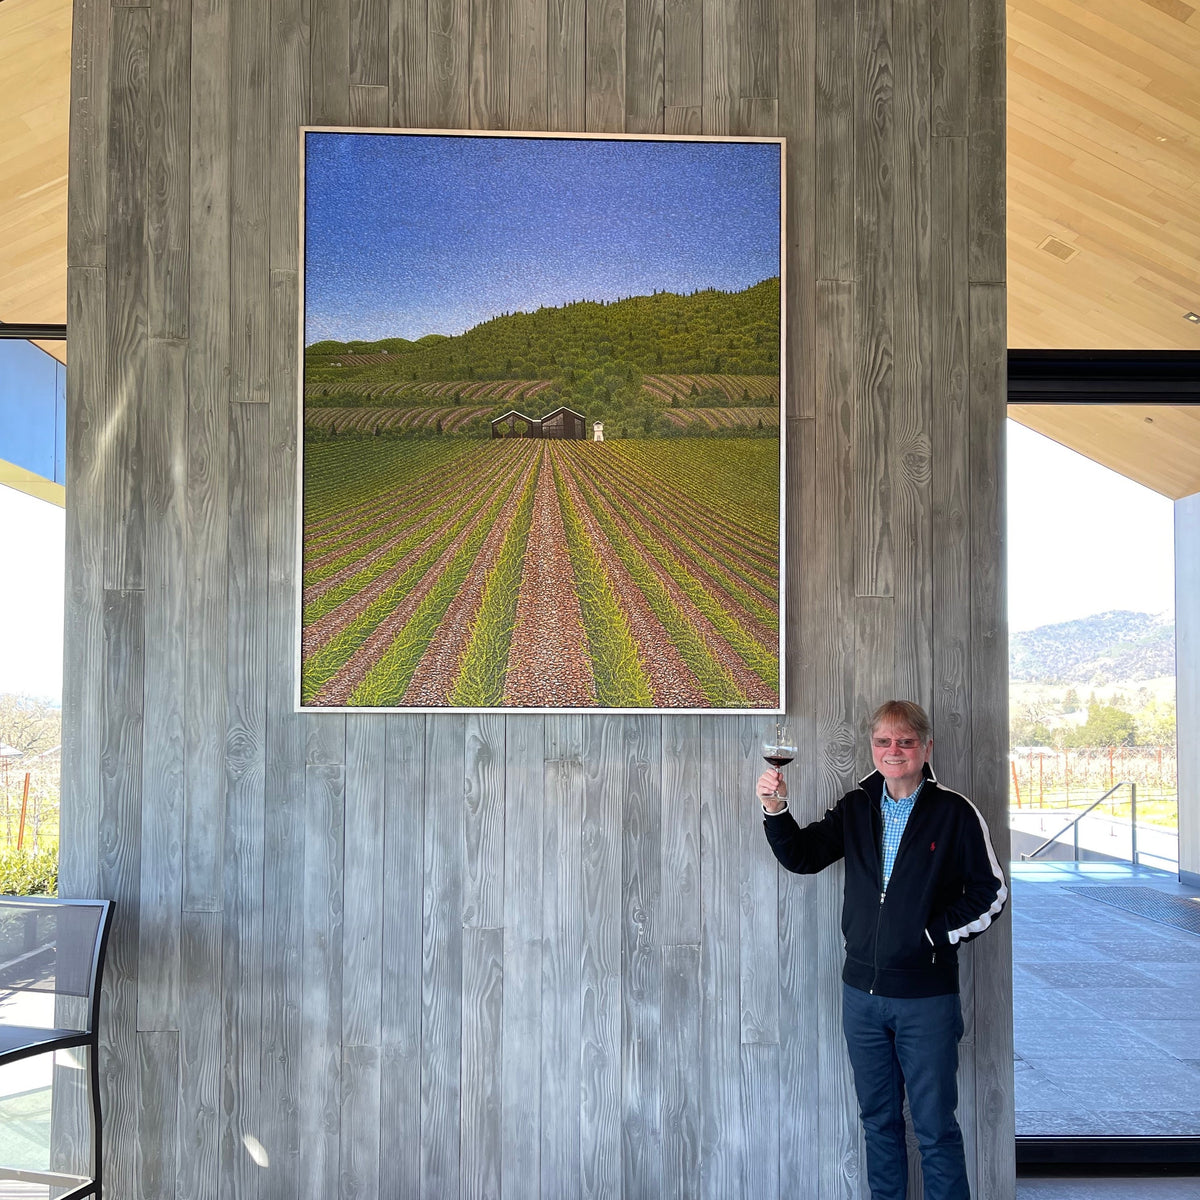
[932, 847]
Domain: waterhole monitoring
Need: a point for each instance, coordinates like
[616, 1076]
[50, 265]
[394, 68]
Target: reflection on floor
[1106, 1019]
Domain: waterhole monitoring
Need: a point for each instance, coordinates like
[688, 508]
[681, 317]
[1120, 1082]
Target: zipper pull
[882, 897]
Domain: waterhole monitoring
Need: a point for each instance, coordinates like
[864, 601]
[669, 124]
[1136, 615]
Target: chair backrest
[53, 947]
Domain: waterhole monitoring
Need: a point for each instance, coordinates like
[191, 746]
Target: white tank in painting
[597, 431]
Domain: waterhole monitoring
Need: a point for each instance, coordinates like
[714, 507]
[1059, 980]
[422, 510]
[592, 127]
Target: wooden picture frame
[541, 461]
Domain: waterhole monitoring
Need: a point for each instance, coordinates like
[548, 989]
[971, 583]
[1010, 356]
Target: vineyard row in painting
[541, 574]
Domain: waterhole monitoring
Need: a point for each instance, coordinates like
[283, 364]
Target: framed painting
[541, 459]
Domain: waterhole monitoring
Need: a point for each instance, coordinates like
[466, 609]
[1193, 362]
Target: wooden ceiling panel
[1104, 155]
[1158, 446]
[35, 62]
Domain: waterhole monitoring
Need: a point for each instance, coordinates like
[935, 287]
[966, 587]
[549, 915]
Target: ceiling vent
[1060, 249]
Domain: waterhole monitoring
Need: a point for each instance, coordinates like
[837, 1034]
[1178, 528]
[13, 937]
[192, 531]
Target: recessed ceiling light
[1193, 317]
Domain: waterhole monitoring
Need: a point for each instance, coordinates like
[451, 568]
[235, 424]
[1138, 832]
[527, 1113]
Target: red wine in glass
[779, 748]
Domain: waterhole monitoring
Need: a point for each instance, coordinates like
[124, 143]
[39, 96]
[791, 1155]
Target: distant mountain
[1108, 647]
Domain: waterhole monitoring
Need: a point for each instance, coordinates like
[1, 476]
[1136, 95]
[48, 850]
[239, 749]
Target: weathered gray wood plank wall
[476, 955]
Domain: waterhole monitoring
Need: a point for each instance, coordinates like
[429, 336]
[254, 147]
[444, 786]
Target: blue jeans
[898, 1046]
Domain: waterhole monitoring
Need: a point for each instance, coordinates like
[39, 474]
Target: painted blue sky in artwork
[413, 234]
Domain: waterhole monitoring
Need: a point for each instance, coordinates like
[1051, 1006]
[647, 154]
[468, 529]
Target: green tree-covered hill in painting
[713, 332]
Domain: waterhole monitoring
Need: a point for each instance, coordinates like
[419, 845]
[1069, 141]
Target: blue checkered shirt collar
[895, 817]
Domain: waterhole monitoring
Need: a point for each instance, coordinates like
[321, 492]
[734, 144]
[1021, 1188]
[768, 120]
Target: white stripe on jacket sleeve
[982, 921]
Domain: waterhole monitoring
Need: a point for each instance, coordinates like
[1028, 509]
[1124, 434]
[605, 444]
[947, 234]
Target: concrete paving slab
[1092, 975]
[1106, 1016]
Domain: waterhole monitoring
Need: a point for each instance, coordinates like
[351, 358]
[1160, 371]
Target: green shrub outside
[29, 873]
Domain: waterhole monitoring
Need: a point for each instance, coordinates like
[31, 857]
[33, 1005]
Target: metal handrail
[1074, 823]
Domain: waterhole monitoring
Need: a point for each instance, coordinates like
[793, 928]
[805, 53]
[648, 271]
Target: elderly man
[921, 878]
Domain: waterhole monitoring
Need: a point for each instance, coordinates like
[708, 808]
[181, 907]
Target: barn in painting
[563, 422]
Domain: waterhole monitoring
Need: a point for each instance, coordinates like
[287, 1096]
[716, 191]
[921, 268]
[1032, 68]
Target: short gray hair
[903, 712]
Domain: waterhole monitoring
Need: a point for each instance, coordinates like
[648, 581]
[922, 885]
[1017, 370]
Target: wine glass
[779, 748]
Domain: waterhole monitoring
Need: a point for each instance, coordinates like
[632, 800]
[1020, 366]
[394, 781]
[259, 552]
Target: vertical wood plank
[448, 71]
[986, 142]
[441, 956]
[687, 121]
[483, 1058]
[524, 758]
[289, 101]
[158, 1086]
[828, 597]
[680, 917]
[408, 66]
[722, 1132]
[528, 86]
[949, 66]
[760, 1100]
[835, 141]
[680, 1069]
[125, 306]
[329, 62]
[683, 43]
[87, 193]
[797, 123]
[362, 967]
[968, 1108]
[604, 66]
[168, 179]
[165, 688]
[207, 450]
[199, 1057]
[245, 771]
[249, 220]
[283, 808]
[120, 866]
[321, 1015]
[566, 70]
[912, 341]
[799, 966]
[483, 883]
[360, 1176]
[600, 1047]
[562, 954]
[368, 105]
[83, 638]
[759, 908]
[403, 884]
[754, 116]
[719, 57]
[950, 429]
[641, 960]
[644, 66]
[758, 47]
[992, 960]
[874, 264]
[874, 667]
[369, 43]
[490, 46]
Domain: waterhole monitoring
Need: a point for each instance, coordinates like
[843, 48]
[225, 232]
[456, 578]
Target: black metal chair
[51, 961]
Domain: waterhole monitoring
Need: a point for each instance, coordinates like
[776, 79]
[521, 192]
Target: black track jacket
[946, 885]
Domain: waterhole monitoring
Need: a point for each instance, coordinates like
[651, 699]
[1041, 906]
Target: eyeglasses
[900, 743]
